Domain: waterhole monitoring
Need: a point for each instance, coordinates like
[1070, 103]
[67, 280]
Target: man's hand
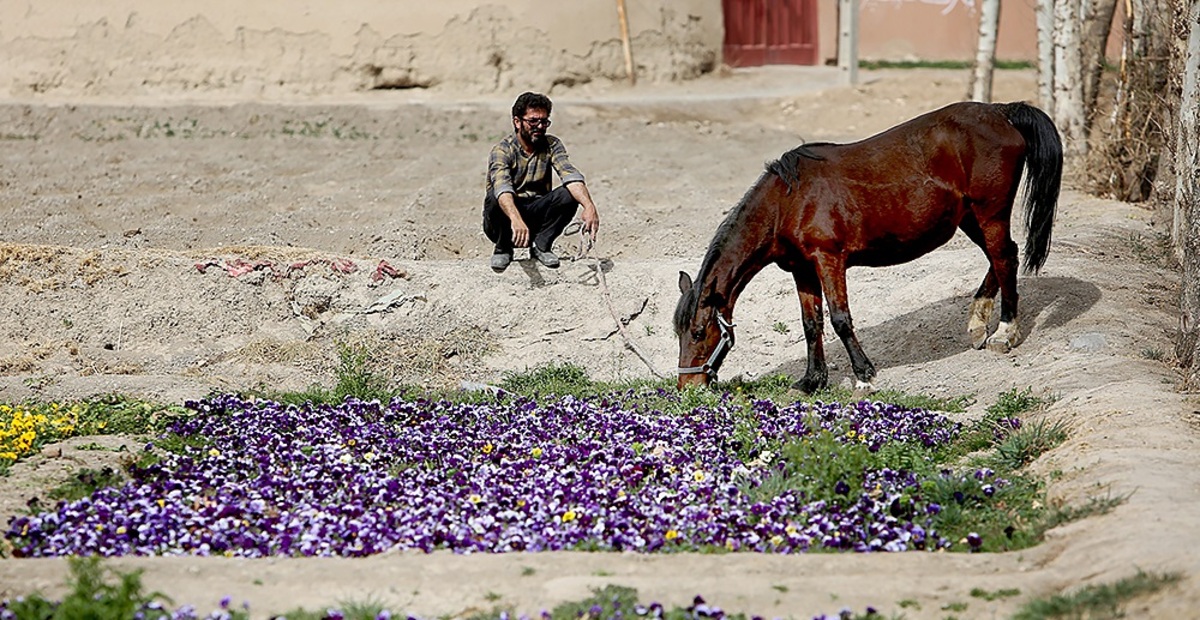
[591, 221]
[520, 233]
[590, 217]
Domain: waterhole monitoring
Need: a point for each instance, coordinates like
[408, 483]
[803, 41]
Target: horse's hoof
[999, 345]
[862, 389]
[809, 386]
[1006, 337]
[979, 337]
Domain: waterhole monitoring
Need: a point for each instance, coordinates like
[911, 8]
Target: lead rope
[586, 243]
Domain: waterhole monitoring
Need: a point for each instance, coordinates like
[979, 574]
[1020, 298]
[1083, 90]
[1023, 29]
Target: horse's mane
[787, 168]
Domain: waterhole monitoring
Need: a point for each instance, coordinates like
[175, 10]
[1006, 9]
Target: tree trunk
[1187, 197]
[985, 55]
[1045, 43]
[1095, 24]
[1069, 112]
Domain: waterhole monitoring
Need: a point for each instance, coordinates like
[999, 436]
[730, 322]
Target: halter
[723, 346]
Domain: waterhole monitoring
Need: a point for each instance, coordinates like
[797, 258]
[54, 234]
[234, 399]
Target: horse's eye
[698, 333]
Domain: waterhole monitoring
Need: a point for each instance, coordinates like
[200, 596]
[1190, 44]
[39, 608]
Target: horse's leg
[816, 376]
[984, 303]
[832, 270]
[1002, 252]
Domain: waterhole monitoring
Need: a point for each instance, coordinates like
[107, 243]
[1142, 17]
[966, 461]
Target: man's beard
[532, 139]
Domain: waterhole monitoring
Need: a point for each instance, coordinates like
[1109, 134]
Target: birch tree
[1187, 195]
[1045, 46]
[1079, 37]
[985, 55]
[1068, 110]
[1096, 18]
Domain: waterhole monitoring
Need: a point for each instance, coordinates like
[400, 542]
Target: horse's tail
[1044, 160]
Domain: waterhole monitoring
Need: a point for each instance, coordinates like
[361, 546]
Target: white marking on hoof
[862, 389]
[1005, 337]
[977, 325]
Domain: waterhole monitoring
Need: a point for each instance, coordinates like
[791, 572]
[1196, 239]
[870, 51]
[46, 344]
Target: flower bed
[25, 428]
[256, 478]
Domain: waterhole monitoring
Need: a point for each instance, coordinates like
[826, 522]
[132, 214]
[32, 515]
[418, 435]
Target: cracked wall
[123, 48]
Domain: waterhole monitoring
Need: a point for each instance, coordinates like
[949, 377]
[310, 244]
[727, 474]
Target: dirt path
[109, 209]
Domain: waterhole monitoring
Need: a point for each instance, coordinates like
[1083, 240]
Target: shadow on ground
[938, 330]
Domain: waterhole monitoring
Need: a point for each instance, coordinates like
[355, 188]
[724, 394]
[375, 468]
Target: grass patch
[83, 483]
[1028, 442]
[354, 378]
[940, 64]
[989, 595]
[97, 592]
[1095, 506]
[996, 423]
[26, 428]
[1102, 601]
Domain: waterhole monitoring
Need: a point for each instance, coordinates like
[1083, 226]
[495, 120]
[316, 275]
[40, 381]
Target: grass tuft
[1025, 444]
[1101, 601]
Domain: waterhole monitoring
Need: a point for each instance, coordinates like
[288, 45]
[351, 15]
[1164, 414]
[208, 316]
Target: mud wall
[273, 47]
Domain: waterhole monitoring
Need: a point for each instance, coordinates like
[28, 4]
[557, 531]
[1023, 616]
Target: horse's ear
[685, 282]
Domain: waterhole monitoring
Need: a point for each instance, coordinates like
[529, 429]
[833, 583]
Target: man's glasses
[536, 122]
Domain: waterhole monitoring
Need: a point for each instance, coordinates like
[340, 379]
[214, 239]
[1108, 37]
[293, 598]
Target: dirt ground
[168, 248]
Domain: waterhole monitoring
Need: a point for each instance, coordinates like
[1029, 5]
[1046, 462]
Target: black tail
[1044, 160]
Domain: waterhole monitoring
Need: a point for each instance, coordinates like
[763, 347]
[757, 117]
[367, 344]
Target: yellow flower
[121, 530]
[475, 498]
[521, 503]
[487, 448]
[537, 453]
[777, 540]
[214, 452]
[672, 535]
[569, 516]
[698, 476]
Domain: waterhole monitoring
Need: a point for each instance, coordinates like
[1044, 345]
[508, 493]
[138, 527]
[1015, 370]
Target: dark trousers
[546, 216]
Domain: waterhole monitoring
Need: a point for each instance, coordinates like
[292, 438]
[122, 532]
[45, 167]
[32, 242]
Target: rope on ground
[586, 243]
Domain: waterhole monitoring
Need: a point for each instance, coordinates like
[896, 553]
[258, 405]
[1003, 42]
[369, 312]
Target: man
[520, 208]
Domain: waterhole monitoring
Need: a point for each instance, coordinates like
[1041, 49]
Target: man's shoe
[545, 257]
[500, 261]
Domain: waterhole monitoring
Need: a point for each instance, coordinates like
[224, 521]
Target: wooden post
[847, 52]
[625, 42]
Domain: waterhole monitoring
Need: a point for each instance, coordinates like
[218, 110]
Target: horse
[885, 200]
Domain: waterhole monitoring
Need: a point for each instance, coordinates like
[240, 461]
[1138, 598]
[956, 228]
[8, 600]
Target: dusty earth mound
[170, 250]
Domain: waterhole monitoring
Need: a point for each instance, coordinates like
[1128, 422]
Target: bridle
[709, 367]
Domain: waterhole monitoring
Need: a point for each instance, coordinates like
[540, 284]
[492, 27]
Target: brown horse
[886, 200]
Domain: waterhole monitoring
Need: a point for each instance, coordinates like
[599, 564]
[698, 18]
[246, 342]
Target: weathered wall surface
[942, 30]
[273, 47]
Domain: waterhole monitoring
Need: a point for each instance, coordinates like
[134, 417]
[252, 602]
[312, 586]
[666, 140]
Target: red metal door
[770, 32]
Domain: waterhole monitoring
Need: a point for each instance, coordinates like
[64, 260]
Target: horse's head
[705, 335]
